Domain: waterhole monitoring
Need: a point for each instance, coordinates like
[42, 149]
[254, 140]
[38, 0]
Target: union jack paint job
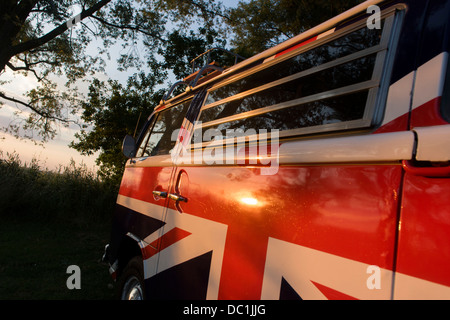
[338, 204]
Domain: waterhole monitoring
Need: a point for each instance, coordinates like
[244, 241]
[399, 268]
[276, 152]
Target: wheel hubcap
[132, 290]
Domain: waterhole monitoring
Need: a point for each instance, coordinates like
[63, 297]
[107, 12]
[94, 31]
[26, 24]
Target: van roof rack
[207, 53]
[192, 80]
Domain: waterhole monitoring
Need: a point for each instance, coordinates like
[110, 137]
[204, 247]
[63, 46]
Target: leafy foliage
[30, 191]
[50, 220]
[261, 24]
[51, 38]
[113, 111]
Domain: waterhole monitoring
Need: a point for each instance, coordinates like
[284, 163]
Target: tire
[131, 283]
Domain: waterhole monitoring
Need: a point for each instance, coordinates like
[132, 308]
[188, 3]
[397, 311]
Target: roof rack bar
[325, 26]
[193, 83]
[199, 73]
[208, 54]
[169, 92]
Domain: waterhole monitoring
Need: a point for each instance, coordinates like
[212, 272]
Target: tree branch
[133, 28]
[44, 115]
[24, 8]
[25, 68]
[206, 12]
[34, 43]
[14, 68]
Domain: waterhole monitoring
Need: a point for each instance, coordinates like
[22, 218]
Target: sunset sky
[55, 152]
[50, 154]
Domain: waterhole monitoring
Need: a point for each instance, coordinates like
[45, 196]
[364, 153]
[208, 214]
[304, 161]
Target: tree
[26, 47]
[114, 110]
[261, 24]
[51, 37]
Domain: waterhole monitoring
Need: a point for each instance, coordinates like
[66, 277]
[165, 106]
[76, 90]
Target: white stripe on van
[430, 79]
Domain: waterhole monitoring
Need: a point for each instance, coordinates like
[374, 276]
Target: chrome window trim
[302, 74]
[392, 40]
[390, 12]
[369, 84]
[390, 146]
[293, 53]
[319, 29]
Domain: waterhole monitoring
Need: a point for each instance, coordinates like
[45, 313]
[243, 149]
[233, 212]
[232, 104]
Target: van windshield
[158, 138]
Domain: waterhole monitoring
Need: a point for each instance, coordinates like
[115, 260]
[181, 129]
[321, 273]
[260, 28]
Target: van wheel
[131, 283]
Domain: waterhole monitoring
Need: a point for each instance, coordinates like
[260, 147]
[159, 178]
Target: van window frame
[147, 131]
[377, 86]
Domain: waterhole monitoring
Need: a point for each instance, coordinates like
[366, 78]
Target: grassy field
[49, 221]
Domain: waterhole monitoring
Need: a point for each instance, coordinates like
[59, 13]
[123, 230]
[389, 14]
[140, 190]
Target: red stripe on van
[428, 114]
[139, 182]
[296, 46]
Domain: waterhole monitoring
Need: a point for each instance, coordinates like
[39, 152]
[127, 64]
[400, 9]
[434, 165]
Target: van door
[423, 258]
[142, 199]
[310, 231]
[173, 278]
[423, 263]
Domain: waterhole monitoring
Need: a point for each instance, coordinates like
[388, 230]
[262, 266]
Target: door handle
[177, 197]
[161, 194]
[426, 170]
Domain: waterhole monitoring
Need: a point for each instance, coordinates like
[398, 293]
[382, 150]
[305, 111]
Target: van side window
[158, 138]
[331, 86]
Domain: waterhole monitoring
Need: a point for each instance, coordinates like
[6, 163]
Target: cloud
[51, 154]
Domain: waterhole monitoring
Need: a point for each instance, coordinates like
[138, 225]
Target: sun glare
[249, 201]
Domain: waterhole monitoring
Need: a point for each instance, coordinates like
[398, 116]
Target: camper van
[317, 169]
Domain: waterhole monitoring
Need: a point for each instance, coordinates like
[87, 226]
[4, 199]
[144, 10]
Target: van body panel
[324, 208]
[423, 258]
[356, 208]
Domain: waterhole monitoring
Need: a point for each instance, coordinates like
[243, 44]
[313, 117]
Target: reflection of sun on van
[355, 120]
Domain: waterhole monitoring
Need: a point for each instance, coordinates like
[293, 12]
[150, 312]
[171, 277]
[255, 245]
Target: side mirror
[129, 146]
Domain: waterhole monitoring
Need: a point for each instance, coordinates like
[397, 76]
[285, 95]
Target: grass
[49, 221]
